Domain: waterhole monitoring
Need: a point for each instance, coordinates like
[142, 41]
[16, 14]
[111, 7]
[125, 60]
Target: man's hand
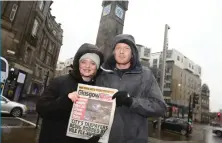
[94, 139]
[122, 98]
[74, 96]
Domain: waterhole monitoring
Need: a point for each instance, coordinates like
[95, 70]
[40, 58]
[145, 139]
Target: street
[160, 57]
[200, 134]
[24, 130]
[14, 129]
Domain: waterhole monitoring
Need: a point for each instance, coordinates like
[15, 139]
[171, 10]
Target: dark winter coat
[54, 105]
[130, 125]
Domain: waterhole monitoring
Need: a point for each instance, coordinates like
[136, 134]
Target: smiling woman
[57, 100]
[88, 65]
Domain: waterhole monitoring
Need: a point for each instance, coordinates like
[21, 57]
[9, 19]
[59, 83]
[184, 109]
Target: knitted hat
[94, 57]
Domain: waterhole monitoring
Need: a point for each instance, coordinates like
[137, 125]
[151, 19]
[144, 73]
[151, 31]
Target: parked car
[175, 124]
[214, 123]
[13, 108]
[218, 129]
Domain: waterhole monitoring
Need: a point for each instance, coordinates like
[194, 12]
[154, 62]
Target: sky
[196, 29]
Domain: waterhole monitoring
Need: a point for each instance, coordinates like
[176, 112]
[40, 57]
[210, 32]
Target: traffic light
[190, 121]
[190, 114]
[195, 99]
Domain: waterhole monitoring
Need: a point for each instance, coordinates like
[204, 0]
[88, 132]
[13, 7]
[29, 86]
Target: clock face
[106, 10]
[119, 12]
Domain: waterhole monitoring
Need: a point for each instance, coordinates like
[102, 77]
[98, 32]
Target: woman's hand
[74, 96]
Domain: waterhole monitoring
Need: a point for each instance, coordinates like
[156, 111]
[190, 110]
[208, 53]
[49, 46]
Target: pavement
[23, 129]
[154, 140]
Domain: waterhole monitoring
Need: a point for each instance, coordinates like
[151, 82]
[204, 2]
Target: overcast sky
[196, 31]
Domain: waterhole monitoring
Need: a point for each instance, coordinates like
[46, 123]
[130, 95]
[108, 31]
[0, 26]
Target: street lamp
[163, 66]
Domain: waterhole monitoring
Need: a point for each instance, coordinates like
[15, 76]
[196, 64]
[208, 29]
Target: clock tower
[111, 24]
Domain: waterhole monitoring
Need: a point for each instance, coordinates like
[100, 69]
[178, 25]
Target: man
[139, 96]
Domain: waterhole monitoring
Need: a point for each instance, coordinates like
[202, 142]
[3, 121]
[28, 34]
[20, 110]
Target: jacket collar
[80, 80]
[110, 65]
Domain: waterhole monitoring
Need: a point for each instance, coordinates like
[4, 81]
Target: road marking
[26, 121]
[16, 127]
[172, 132]
[6, 117]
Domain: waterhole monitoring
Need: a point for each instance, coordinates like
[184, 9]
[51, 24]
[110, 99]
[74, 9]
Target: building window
[41, 5]
[189, 65]
[168, 77]
[43, 74]
[178, 58]
[169, 70]
[42, 55]
[155, 62]
[192, 67]
[36, 71]
[41, 39]
[54, 32]
[40, 72]
[48, 60]
[168, 85]
[169, 54]
[13, 12]
[199, 70]
[45, 42]
[51, 47]
[154, 66]
[146, 52]
[27, 55]
[49, 25]
[35, 28]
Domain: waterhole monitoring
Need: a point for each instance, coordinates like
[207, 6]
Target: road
[31, 118]
[206, 132]
[201, 134]
[23, 129]
[14, 129]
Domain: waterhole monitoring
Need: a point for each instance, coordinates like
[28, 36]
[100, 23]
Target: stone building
[31, 42]
[202, 109]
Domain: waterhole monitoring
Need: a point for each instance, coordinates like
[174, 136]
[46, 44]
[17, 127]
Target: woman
[56, 102]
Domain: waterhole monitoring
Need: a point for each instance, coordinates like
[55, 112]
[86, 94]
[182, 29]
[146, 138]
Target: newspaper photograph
[93, 113]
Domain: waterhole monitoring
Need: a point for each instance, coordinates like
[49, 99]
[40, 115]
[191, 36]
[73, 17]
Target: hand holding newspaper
[93, 113]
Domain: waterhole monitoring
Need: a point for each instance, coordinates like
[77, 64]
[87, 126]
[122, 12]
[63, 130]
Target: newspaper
[93, 113]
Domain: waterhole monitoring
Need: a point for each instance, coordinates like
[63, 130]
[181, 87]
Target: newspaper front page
[93, 113]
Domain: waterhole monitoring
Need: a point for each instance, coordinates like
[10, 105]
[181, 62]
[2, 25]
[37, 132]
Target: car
[176, 125]
[13, 108]
[218, 130]
[214, 123]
